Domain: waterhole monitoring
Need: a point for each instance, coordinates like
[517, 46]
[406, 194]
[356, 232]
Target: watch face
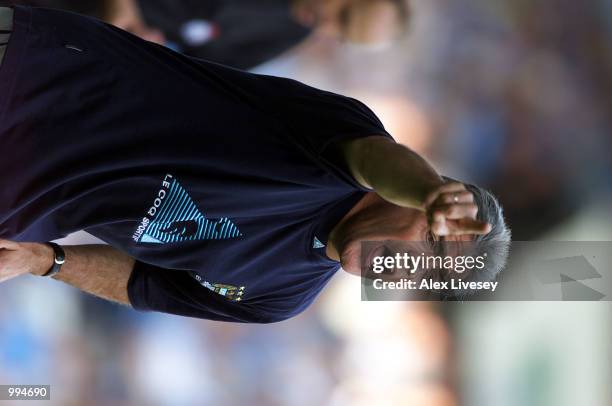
[59, 254]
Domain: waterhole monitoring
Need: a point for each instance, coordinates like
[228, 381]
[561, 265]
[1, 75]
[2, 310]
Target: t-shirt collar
[329, 217]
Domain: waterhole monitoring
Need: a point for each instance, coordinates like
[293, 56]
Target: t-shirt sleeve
[319, 119]
[151, 288]
[326, 117]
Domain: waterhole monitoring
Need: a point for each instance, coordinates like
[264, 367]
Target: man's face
[379, 221]
[394, 227]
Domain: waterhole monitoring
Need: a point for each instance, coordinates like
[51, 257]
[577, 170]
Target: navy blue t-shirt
[220, 183]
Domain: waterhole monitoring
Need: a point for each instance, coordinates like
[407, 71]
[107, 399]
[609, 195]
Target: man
[239, 33]
[243, 33]
[222, 194]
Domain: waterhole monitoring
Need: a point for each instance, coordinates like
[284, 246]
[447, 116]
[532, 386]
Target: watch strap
[59, 257]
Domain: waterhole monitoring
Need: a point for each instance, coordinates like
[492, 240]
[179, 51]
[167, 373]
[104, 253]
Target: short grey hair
[495, 245]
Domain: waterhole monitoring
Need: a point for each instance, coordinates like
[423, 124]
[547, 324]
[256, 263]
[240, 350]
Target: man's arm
[104, 271]
[97, 269]
[402, 177]
[396, 173]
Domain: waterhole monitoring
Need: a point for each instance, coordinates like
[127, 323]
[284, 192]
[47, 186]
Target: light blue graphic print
[179, 219]
[316, 243]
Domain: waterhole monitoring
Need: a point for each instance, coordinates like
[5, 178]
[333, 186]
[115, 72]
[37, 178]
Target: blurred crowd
[511, 94]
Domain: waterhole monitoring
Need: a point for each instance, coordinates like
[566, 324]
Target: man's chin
[350, 259]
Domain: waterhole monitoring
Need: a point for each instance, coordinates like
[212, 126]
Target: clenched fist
[19, 258]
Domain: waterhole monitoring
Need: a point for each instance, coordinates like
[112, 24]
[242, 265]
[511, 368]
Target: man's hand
[451, 210]
[127, 15]
[17, 259]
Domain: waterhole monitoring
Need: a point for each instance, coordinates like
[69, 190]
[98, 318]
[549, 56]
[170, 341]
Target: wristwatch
[59, 257]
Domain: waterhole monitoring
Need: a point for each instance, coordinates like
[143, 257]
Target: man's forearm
[100, 270]
[395, 172]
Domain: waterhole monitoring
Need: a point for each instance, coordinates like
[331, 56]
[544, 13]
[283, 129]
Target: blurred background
[514, 95]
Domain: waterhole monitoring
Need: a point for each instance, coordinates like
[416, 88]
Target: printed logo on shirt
[174, 217]
[317, 243]
[231, 292]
